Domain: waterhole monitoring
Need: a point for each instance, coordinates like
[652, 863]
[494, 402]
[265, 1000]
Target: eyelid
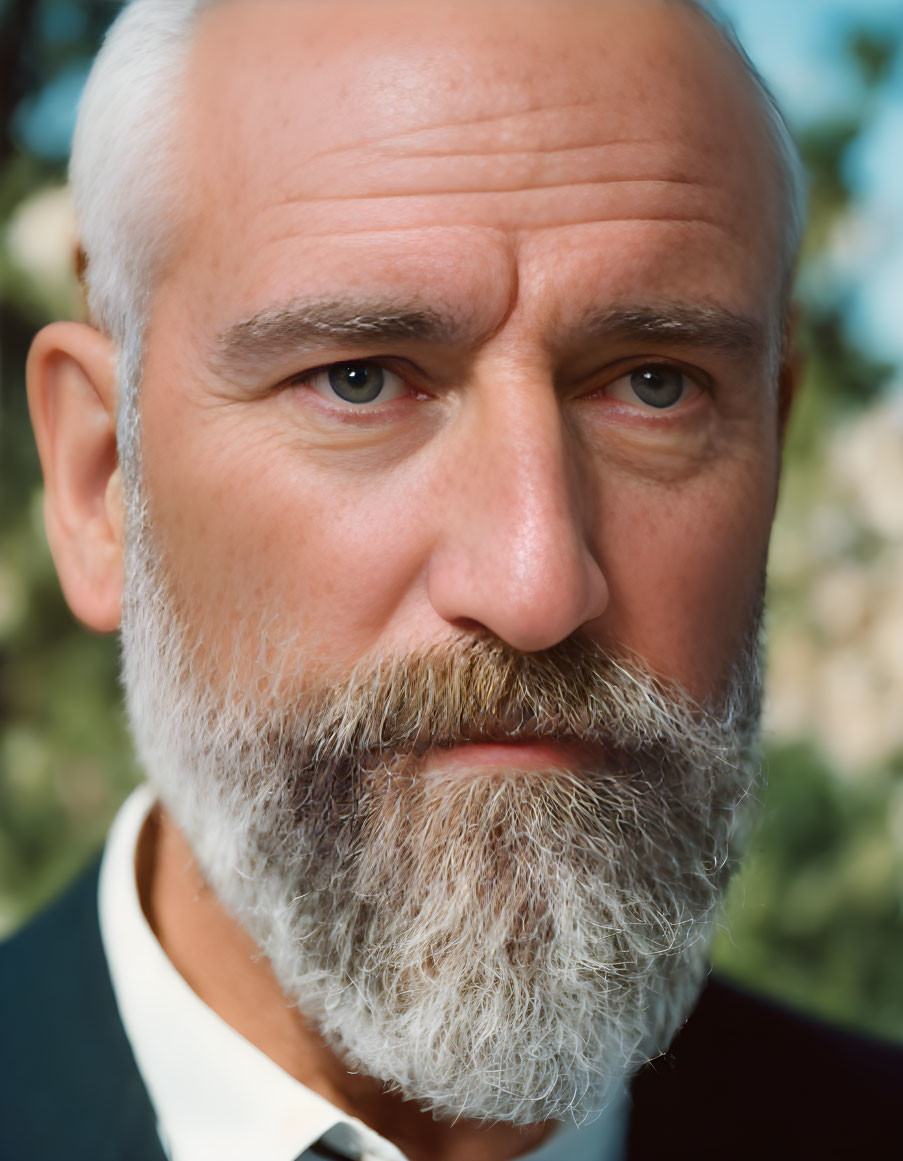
[694, 377]
[307, 378]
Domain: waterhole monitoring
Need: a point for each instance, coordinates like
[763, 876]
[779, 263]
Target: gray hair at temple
[124, 188]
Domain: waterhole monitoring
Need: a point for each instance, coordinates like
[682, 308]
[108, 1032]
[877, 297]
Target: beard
[506, 946]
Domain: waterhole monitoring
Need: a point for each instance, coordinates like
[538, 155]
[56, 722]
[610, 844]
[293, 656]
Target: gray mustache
[477, 691]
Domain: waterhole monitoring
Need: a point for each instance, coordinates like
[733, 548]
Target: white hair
[125, 194]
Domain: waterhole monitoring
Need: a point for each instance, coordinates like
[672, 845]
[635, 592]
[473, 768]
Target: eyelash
[388, 365]
[694, 378]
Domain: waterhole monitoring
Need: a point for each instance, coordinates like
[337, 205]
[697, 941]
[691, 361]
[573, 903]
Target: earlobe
[72, 397]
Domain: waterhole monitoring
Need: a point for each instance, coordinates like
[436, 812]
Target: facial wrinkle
[398, 214]
[403, 141]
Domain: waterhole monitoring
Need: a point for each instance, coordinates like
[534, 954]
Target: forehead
[317, 133]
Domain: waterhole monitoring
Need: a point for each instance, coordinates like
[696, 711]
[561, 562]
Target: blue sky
[796, 45]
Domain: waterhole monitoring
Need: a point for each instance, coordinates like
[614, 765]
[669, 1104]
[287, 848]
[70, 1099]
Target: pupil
[356, 382]
[658, 386]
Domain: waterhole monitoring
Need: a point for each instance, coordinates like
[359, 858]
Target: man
[426, 444]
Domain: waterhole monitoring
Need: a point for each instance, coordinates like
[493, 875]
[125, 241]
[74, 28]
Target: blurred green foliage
[814, 918]
[65, 760]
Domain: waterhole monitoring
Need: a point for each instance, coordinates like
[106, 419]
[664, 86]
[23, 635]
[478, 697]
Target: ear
[71, 378]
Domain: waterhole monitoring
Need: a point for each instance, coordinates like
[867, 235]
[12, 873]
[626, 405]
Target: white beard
[496, 947]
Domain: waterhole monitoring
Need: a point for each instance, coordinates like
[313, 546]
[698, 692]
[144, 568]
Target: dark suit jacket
[744, 1079]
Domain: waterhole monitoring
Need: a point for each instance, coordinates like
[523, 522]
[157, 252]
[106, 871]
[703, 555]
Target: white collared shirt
[216, 1096]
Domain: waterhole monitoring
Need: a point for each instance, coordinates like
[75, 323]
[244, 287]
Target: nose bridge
[529, 493]
[517, 555]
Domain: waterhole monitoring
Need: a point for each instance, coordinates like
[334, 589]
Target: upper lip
[495, 739]
[520, 730]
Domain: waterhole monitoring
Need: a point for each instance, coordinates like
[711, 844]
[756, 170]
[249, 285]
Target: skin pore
[525, 220]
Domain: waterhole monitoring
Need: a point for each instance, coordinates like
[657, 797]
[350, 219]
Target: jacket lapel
[70, 1085]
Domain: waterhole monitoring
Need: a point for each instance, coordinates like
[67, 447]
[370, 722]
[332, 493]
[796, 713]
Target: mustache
[348, 750]
[395, 709]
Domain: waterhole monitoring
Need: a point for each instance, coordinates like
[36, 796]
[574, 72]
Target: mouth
[509, 755]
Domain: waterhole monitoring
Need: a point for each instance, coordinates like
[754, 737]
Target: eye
[357, 383]
[655, 385]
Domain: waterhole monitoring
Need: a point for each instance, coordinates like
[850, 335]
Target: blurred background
[816, 918]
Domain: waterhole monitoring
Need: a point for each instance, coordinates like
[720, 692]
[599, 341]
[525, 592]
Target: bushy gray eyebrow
[306, 327]
[706, 326]
[272, 335]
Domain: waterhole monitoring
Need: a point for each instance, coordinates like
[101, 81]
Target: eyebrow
[692, 325]
[275, 334]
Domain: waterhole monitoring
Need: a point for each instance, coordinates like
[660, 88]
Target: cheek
[685, 570]
[261, 546]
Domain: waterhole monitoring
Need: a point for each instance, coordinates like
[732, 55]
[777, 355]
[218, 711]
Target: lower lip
[525, 756]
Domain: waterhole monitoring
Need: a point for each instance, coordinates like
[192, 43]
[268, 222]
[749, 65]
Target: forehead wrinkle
[370, 168]
[470, 167]
[491, 123]
[517, 221]
[514, 207]
[517, 228]
[581, 147]
[385, 149]
[519, 188]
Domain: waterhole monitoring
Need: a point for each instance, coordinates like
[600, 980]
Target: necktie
[320, 1151]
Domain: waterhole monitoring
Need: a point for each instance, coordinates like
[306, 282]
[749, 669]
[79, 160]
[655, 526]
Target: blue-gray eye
[658, 386]
[357, 382]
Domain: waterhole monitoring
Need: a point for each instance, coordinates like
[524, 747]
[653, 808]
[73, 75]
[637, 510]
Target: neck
[226, 969]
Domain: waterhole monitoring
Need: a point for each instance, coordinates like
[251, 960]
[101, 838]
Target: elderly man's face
[461, 422]
[514, 272]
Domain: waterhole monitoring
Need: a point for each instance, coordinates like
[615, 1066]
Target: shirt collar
[214, 1093]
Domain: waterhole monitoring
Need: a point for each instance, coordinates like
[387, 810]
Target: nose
[516, 556]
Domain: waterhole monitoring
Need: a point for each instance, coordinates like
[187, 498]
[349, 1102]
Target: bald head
[177, 80]
[123, 166]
